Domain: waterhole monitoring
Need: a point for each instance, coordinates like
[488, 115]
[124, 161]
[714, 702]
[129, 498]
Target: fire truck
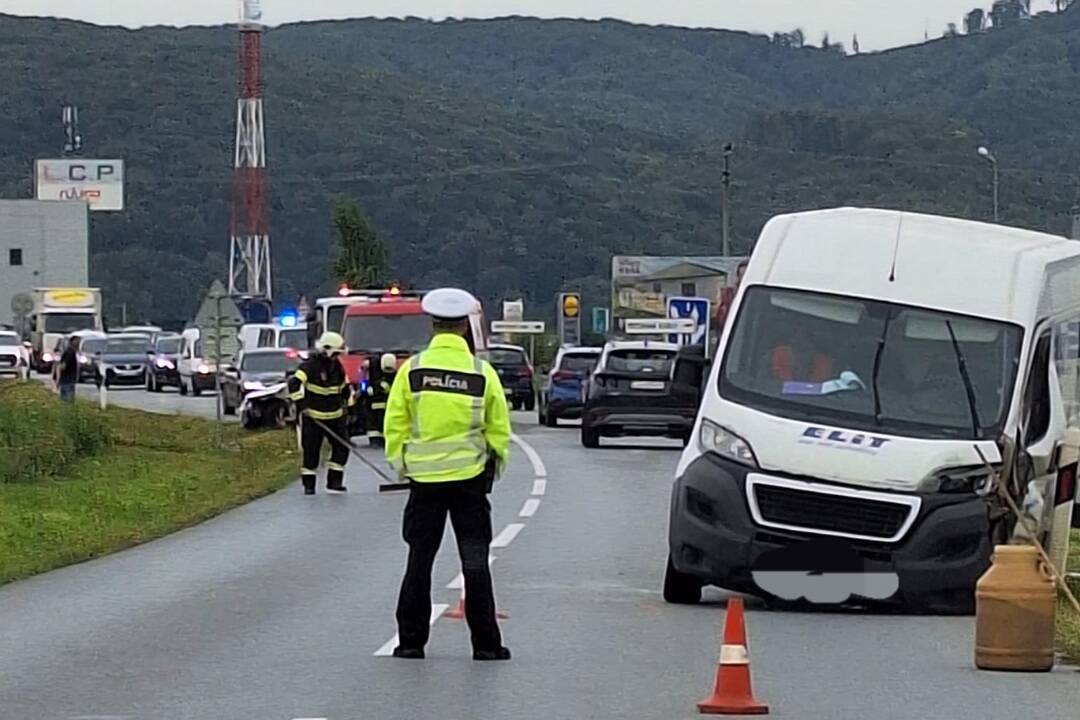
[375, 322]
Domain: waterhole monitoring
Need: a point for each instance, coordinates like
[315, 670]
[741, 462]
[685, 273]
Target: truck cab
[392, 322]
[58, 312]
[876, 391]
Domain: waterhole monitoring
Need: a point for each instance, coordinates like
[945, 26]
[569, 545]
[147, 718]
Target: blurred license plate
[647, 385]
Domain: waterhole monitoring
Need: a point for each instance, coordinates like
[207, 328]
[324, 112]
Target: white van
[266, 335]
[197, 373]
[871, 360]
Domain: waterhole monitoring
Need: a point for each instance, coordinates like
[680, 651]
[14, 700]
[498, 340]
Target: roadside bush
[39, 437]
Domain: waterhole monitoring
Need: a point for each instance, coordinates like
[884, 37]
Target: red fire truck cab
[393, 322]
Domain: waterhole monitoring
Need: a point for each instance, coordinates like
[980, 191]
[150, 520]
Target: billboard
[642, 285]
[99, 183]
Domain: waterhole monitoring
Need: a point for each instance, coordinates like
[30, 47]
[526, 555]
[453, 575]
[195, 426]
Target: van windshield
[809, 356]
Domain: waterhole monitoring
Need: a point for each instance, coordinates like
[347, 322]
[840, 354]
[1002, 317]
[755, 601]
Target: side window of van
[1037, 394]
[266, 338]
[1067, 364]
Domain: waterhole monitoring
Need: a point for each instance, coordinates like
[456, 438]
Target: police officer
[378, 394]
[320, 391]
[448, 433]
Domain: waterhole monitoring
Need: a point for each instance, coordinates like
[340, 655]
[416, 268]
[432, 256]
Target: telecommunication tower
[249, 258]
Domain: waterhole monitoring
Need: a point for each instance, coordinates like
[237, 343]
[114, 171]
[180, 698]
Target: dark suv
[515, 371]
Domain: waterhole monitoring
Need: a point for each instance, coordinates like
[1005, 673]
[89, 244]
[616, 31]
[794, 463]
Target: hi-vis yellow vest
[447, 412]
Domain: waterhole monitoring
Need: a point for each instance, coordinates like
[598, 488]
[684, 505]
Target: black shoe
[309, 491]
[409, 653]
[502, 653]
[337, 489]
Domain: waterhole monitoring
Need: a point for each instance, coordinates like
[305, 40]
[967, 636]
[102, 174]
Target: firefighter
[448, 434]
[322, 396]
[378, 393]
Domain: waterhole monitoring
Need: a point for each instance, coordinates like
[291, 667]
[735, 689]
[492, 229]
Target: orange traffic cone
[458, 611]
[733, 695]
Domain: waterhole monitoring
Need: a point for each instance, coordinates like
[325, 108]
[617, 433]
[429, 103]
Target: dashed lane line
[529, 508]
[507, 535]
[437, 609]
[539, 486]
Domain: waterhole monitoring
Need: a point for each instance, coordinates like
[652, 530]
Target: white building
[42, 244]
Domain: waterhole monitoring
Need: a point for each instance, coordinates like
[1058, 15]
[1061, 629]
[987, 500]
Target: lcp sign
[99, 183]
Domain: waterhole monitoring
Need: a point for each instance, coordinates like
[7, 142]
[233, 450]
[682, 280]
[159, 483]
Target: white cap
[449, 303]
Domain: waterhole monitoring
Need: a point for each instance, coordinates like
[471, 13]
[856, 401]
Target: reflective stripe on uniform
[331, 415]
[378, 406]
[325, 390]
[334, 466]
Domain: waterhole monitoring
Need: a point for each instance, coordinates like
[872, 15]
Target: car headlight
[726, 444]
[47, 357]
[84, 360]
[164, 364]
[203, 369]
[254, 385]
[955, 480]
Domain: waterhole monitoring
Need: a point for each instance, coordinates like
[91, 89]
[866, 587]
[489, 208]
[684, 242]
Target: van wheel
[551, 419]
[530, 403]
[183, 387]
[680, 588]
[195, 389]
[590, 436]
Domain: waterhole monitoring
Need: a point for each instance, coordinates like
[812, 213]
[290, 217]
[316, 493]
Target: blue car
[563, 394]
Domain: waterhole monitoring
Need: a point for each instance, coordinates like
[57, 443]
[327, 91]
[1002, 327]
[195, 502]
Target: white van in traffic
[872, 360]
[197, 372]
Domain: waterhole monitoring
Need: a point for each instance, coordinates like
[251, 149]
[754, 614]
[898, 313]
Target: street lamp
[984, 152]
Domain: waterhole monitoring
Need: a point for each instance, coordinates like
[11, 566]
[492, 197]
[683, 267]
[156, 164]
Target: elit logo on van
[825, 436]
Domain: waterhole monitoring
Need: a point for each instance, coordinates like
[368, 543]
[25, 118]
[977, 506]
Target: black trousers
[424, 522]
[311, 438]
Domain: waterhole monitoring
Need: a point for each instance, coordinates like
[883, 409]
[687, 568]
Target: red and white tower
[249, 258]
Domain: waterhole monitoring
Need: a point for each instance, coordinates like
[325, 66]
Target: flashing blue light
[363, 385]
[288, 319]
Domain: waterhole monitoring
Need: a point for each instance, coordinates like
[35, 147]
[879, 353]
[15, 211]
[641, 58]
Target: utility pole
[726, 199]
[984, 152]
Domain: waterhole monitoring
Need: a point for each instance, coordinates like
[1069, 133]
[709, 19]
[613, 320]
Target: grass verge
[1068, 621]
[77, 483]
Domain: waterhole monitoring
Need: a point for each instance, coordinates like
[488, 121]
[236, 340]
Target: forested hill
[517, 155]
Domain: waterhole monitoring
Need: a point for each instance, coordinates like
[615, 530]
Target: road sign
[693, 308]
[522, 327]
[601, 320]
[218, 320]
[659, 326]
[513, 310]
[569, 319]
[571, 305]
[22, 304]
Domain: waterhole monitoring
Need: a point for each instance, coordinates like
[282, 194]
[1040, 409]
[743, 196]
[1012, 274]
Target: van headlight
[726, 444]
[959, 480]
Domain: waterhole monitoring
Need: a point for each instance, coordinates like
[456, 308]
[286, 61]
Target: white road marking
[507, 535]
[539, 486]
[529, 508]
[458, 583]
[530, 452]
[437, 609]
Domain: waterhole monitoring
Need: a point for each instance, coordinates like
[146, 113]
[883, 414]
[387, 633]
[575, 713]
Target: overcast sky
[879, 23]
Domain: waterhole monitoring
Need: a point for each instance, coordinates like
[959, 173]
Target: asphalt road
[285, 609]
[167, 402]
